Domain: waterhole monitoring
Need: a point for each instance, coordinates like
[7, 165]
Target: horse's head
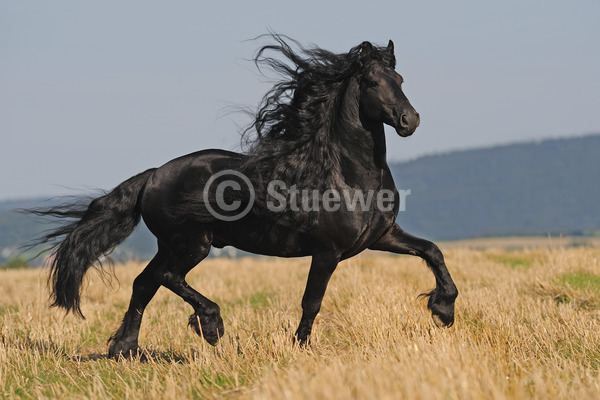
[381, 96]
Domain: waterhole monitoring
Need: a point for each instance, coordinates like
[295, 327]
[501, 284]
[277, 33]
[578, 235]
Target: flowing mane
[296, 136]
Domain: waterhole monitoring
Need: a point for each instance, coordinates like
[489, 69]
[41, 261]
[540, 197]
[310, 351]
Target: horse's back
[177, 186]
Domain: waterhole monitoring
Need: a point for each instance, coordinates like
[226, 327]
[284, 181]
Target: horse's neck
[375, 144]
[363, 141]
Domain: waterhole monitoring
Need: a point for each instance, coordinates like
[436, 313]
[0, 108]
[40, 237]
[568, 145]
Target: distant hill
[532, 188]
[544, 187]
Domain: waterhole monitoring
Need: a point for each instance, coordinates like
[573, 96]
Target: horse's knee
[433, 254]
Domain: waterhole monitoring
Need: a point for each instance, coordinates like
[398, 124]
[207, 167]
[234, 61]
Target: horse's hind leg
[186, 253]
[206, 320]
[125, 340]
[168, 268]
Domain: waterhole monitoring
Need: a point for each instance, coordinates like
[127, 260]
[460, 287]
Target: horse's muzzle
[407, 124]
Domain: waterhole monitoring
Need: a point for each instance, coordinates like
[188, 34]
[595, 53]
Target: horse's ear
[366, 48]
[390, 51]
[390, 47]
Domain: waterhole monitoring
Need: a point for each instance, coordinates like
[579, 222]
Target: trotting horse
[321, 127]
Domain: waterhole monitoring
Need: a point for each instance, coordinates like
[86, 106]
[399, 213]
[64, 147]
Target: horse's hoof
[443, 320]
[438, 321]
[124, 352]
[302, 342]
[212, 339]
[210, 328]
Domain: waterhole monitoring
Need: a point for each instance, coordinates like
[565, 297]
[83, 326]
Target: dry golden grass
[527, 326]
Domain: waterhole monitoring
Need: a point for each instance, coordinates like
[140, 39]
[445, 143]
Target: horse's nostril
[404, 120]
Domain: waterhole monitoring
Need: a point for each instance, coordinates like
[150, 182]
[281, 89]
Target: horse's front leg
[321, 268]
[441, 299]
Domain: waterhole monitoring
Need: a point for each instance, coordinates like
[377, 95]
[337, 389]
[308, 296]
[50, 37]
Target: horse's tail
[93, 230]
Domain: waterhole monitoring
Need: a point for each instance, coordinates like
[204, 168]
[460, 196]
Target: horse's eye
[371, 83]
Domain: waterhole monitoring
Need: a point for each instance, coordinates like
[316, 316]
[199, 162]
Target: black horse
[319, 131]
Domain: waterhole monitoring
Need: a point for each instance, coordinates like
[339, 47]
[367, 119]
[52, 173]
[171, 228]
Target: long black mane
[296, 136]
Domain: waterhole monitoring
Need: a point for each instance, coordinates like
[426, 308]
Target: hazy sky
[94, 92]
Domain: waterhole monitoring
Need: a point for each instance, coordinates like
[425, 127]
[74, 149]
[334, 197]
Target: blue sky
[92, 93]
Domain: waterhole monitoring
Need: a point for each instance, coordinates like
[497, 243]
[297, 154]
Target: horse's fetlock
[212, 311]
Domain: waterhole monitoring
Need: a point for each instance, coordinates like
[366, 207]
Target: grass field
[527, 326]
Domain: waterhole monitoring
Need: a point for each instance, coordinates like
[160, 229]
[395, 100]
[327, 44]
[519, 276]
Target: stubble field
[527, 326]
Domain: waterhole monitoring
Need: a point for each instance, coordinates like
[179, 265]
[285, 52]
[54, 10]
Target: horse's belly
[271, 240]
